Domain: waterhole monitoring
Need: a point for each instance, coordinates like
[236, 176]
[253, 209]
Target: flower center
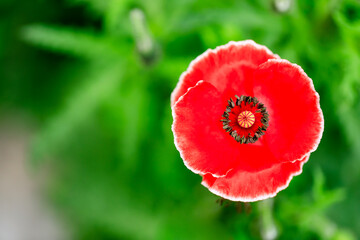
[245, 119]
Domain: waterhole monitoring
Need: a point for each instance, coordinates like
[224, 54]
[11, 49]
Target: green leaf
[76, 42]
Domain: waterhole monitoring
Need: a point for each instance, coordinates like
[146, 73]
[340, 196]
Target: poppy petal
[240, 185]
[201, 140]
[225, 67]
[196, 121]
[296, 121]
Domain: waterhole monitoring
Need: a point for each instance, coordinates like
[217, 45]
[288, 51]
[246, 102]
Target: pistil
[246, 119]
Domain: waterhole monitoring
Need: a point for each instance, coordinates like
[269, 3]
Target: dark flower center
[245, 119]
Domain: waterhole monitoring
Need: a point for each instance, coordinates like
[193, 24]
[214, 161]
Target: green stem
[268, 228]
[143, 39]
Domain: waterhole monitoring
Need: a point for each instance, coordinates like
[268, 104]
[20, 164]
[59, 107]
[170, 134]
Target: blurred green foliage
[98, 85]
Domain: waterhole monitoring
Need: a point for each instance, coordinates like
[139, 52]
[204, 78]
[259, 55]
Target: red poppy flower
[245, 120]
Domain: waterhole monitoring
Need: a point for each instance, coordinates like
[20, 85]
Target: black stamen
[228, 126]
[231, 103]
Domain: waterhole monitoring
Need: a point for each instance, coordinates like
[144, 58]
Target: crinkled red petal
[296, 121]
[241, 185]
[201, 140]
[226, 68]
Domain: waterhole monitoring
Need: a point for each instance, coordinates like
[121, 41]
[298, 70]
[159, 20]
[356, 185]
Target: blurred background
[86, 148]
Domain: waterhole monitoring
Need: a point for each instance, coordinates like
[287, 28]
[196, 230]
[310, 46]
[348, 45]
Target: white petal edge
[260, 197]
[217, 49]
